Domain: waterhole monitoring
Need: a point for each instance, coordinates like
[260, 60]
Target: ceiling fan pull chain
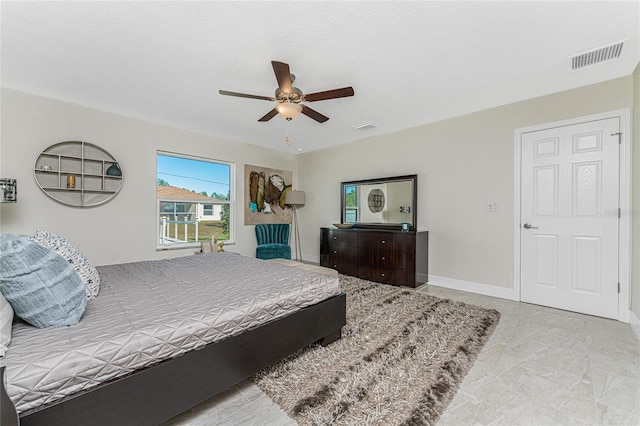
[287, 134]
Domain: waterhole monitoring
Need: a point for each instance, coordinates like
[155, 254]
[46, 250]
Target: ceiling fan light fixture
[288, 110]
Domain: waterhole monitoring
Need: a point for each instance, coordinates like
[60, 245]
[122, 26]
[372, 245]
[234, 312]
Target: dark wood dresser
[385, 256]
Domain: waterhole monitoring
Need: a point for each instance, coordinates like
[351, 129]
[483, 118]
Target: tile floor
[541, 366]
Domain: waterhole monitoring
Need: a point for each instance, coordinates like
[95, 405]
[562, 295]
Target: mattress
[150, 311]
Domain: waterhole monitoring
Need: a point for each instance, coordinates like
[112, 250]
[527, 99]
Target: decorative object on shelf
[114, 170]
[343, 225]
[295, 199]
[8, 190]
[404, 226]
[78, 174]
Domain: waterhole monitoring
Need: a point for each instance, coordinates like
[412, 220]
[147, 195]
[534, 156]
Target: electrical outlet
[492, 206]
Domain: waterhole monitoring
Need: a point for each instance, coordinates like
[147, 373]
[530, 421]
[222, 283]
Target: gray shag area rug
[401, 359]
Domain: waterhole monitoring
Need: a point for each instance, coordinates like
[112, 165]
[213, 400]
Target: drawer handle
[383, 242]
[335, 238]
[383, 258]
[382, 275]
[335, 266]
[335, 252]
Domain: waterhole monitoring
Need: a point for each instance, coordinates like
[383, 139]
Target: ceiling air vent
[596, 56]
[366, 126]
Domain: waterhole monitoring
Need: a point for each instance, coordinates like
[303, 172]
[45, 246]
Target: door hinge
[618, 288]
[619, 134]
[619, 213]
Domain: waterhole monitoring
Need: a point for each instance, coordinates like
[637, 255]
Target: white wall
[462, 164]
[124, 229]
[635, 212]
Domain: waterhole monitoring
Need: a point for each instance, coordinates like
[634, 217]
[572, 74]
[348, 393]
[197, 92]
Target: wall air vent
[596, 56]
[366, 126]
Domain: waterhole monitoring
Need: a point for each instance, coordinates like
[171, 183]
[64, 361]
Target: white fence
[166, 228]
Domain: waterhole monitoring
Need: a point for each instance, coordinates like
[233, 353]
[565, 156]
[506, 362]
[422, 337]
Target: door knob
[529, 226]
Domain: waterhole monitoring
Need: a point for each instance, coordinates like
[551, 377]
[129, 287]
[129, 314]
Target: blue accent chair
[273, 241]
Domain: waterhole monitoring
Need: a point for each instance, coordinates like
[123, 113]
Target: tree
[220, 196]
[351, 196]
[204, 193]
[162, 182]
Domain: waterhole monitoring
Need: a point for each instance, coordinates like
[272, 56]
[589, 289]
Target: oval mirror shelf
[78, 174]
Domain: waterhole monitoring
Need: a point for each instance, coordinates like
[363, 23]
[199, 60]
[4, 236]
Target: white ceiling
[410, 63]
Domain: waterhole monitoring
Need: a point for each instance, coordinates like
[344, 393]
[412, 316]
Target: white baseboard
[634, 322]
[310, 258]
[472, 287]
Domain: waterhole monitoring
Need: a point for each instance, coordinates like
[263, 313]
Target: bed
[163, 336]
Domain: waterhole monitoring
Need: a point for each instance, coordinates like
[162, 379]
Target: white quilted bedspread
[150, 311]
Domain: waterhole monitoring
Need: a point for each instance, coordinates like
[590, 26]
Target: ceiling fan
[289, 99]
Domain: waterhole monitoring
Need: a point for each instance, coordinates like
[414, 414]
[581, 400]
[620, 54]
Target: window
[351, 207]
[194, 200]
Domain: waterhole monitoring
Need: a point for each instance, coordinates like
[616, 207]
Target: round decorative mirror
[376, 200]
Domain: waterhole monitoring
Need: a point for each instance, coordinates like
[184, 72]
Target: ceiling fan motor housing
[295, 97]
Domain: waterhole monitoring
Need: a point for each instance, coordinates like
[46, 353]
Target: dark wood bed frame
[155, 394]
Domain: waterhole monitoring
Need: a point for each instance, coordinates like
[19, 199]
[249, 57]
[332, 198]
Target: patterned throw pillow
[6, 321]
[41, 286]
[85, 269]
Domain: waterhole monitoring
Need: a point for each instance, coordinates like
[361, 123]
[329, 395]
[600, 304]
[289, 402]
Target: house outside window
[194, 200]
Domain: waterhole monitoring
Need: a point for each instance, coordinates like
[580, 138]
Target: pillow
[6, 321]
[87, 272]
[41, 286]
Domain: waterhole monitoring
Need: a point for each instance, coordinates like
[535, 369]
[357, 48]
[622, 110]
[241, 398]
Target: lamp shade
[288, 110]
[294, 198]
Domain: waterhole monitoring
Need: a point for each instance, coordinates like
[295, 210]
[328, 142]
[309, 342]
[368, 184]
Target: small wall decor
[8, 190]
[376, 200]
[78, 174]
[265, 194]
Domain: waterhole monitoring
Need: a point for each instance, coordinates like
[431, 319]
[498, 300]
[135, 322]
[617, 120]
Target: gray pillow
[41, 286]
[86, 271]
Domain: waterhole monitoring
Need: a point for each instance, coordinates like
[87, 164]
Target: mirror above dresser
[383, 203]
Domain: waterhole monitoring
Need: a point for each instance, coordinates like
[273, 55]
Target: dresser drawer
[342, 238]
[376, 258]
[344, 259]
[382, 275]
[376, 240]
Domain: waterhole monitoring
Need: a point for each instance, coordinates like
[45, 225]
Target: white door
[569, 217]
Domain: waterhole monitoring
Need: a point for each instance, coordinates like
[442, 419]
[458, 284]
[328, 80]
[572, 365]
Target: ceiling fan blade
[268, 116]
[283, 75]
[244, 95]
[312, 113]
[329, 94]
